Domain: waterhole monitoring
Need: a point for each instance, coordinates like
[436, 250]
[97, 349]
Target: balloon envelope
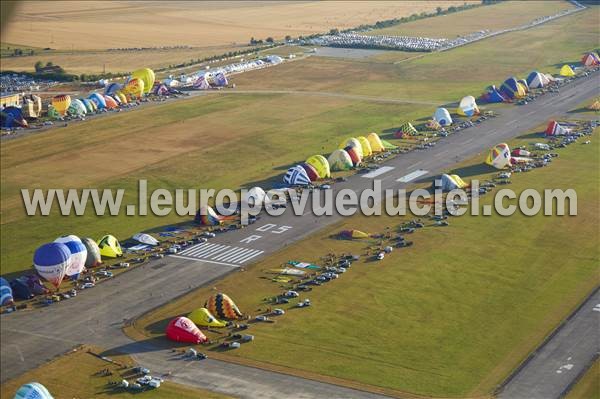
[182, 329]
[32, 390]
[222, 307]
[147, 76]
[78, 254]
[61, 103]
[340, 160]
[51, 262]
[499, 156]
[319, 162]
[93, 258]
[6, 294]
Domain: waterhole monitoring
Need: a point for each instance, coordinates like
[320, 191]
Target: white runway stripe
[412, 176]
[241, 255]
[226, 253]
[236, 254]
[219, 254]
[378, 171]
[249, 257]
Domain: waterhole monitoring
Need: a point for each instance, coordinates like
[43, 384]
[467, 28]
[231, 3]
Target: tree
[288, 38]
[38, 66]
[269, 39]
[439, 10]
[334, 31]
[49, 64]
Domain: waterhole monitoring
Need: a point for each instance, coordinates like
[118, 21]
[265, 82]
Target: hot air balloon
[365, 145]
[442, 116]
[202, 317]
[145, 239]
[33, 390]
[110, 102]
[353, 234]
[98, 99]
[352, 142]
[112, 88]
[256, 196]
[339, 160]
[6, 294]
[93, 258]
[88, 105]
[78, 106]
[207, 216]
[61, 103]
[12, 116]
[182, 329]
[296, 176]
[311, 172]
[110, 247]
[222, 307]
[147, 76]
[51, 262]
[122, 97]
[355, 155]
[467, 106]
[375, 142]
[135, 88]
[499, 156]
[78, 254]
[319, 162]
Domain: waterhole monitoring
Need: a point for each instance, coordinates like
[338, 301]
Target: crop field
[101, 25]
[450, 316]
[78, 375]
[504, 15]
[200, 139]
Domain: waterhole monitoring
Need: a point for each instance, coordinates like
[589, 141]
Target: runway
[96, 316]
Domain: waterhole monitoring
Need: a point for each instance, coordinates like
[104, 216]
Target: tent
[145, 239]
[319, 162]
[405, 129]
[182, 329]
[12, 117]
[339, 160]
[451, 182]
[376, 144]
[202, 318]
[365, 146]
[590, 59]
[222, 307]
[442, 116]
[536, 80]
[207, 216]
[32, 390]
[566, 71]
[311, 172]
[296, 176]
[353, 234]
[6, 295]
[499, 156]
[555, 129]
[467, 107]
[109, 247]
[492, 95]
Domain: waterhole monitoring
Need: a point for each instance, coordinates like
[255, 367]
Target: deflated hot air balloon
[340, 160]
[452, 182]
[256, 196]
[122, 97]
[296, 176]
[88, 105]
[353, 234]
[222, 307]
[375, 142]
[146, 75]
[499, 156]
[135, 88]
[110, 247]
[79, 107]
[6, 295]
[182, 329]
[467, 107]
[32, 390]
[365, 146]
[145, 239]
[78, 254]
[93, 258]
[442, 116]
[207, 216]
[319, 162]
[355, 155]
[567, 71]
[51, 262]
[12, 116]
[112, 88]
[555, 129]
[202, 317]
[61, 103]
[311, 172]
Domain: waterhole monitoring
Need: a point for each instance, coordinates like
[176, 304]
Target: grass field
[228, 141]
[449, 317]
[504, 15]
[76, 375]
[589, 386]
[66, 25]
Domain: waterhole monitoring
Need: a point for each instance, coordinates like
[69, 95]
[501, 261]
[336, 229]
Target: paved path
[96, 316]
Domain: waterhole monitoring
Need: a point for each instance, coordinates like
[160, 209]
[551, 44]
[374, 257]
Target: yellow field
[100, 25]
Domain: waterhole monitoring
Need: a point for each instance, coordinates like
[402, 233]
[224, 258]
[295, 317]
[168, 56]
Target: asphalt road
[30, 338]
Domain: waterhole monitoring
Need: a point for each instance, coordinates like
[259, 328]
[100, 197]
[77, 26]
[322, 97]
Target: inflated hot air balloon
[355, 155]
[78, 254]
[112, 88]
[499, 156]
[365, 146]
[536, 80]
[61, 103]
[146, 75]
[98, 99]
[202, 317]
[296, 176]
[319, 162]
[339, 160]
[51, 262]
[88, 105]
[222, 307]
[110, 247]
[467, 107]
[6, 294]
[353, 142]
[442, 116]
[207, 216]
[220, 80]
[110, 102]
[32, 390]
[375, 142]
[182, 329]
[256, 196]
[135, 88]
[93, 258]
[122, 97]
[590, 59]
[80, 106]
[116, 98]
[311, 172]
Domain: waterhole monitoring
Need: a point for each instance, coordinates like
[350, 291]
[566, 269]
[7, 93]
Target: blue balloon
[51, 261]
[6, 294]
[98, 99]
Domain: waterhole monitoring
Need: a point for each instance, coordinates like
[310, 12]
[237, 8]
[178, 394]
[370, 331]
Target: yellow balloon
[147, 76]
[319, 162]
[135, 87]
[61, 103]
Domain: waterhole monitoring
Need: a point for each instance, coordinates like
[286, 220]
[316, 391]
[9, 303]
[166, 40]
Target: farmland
[449, 317]
[202, 138]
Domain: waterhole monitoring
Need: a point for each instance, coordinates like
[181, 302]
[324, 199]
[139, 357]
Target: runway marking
[378, 171]
[203, 260]
[511, 122]
[40, 335]
[412, 176]
[227, 255]
[596, 308]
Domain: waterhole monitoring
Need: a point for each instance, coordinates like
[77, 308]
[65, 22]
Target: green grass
[450, 317]
[75, 375]
[589, 386]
